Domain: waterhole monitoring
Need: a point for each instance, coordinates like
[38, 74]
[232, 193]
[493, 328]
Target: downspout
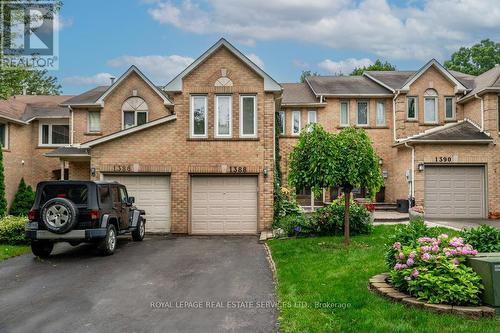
[412, 186]
[482, 111]
[394, 115]
[72, 125]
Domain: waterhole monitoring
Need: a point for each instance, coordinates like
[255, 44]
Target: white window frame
[282, 116]
[254, 135]
[309, 113]
[380, 102]
[453, 108]
[88, 122]
[6, 139]
[191, 117]
[340, 114]
[135, 117]
[216, 115]
[367, 113]
[436, 110]
[296, 112]
[50, 124]
[408, 108]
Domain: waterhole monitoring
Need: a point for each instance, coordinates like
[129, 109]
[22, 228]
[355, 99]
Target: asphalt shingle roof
[393, 79]
[61, 151]
[88, 97]
[461, 131]
[345, 85]
[27, 107]
[297, 93]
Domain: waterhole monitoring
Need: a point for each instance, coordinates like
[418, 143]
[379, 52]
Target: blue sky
[103, 38]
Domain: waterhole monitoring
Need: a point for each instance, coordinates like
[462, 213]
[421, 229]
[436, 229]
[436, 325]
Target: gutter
[482, 111]
[394, 115]
[412, 186]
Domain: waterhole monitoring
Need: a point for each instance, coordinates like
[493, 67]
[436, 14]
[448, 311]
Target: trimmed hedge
[12, 229]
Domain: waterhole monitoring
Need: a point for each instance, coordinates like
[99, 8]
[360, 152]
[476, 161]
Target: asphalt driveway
[179, 284]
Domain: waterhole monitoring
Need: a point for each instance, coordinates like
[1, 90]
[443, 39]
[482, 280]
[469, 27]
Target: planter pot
[415, 215]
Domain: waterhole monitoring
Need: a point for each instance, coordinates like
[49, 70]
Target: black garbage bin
[403, 205]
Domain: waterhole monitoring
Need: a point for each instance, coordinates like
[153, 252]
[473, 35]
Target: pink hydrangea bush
[434, 270]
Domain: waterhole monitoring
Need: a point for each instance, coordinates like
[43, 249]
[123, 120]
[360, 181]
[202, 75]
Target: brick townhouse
[198, 153]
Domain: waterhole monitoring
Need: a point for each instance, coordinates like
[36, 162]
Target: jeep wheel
[107, 245]
[59, 215]
[138, 233]
[42, 249]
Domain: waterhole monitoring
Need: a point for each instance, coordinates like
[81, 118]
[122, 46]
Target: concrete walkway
[452, 224]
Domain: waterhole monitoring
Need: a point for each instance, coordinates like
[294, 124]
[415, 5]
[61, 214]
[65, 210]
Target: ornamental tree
[355, 164]
[321, 160]
[23, 200]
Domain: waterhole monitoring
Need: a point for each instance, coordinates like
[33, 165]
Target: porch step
[390, 216]
[385, 206]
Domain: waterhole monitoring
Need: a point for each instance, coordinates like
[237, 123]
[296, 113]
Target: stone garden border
[380, 285]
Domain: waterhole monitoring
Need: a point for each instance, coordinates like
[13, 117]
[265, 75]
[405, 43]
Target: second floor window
[430, 106]
[53, 134]
[362, 113]
[199, 116]
[3, 135]
[296, 122]
[411, 108]
[449, 105]
[380, 117]
[344, 114]
[248, 116]
[94, 121]
[135, 112]
[281, 126]
[223, 116]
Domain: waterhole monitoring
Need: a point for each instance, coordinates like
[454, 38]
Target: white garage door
[454, 192]
[152, 193]
[224, 205]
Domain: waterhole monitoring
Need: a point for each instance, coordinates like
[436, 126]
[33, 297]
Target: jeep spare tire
[59, 215]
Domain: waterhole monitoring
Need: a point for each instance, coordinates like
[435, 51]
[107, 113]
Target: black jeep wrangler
[82, 211]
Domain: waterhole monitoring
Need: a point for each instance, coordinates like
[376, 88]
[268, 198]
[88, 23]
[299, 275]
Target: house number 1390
[444, 159]
[237, 169]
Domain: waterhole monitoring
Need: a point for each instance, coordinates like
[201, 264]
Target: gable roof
[96, 96]
[23, 109]
[346, 86]
[459, 87]
[392, 80]
[464, 131]
[298, 94]
[128, 131]
[269, 83]
[488, 81]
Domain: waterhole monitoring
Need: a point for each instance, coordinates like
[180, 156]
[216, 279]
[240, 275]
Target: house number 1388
[237, 169]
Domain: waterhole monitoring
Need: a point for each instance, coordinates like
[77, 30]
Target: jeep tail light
[95, 214]
[33, 215]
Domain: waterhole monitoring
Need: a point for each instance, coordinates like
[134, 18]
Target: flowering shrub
[433, 269]
[370, 207]
[330, 219]
[297, 224]
[484, 238]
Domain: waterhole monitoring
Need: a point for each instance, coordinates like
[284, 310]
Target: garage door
[224, 205]
[454, 192]
[152, 193]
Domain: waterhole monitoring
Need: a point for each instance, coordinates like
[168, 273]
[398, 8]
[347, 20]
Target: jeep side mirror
[131, 200]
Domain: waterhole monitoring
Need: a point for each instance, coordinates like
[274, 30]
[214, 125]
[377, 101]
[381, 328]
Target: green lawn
[321, 270]
[7, 251]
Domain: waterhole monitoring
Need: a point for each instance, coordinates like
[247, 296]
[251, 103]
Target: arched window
[135, 112]
[430, 106]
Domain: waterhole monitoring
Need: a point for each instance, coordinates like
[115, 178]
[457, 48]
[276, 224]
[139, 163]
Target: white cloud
[415, 31]
[99, 79]
[160, 69]
[345, 66]
[62, 23]
[256, 59]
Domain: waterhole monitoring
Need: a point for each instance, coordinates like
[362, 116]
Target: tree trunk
[346, 215]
